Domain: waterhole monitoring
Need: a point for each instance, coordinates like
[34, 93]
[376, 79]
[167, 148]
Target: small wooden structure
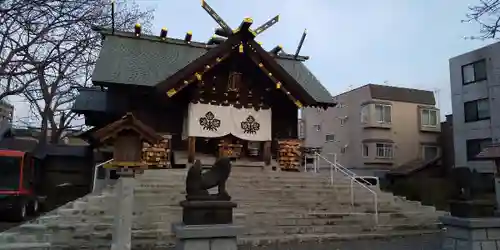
[229, 149]
[289, 154]
[127, 136]
[157, 155]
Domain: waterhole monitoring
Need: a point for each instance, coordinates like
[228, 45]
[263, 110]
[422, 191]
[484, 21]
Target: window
[384, 150]
[477, 110]
[317, 127]
[429, 117]
[429, 152]
[475, 146]
[383, 113]
[365, 111]
[10, 172]
[365, 150]
[474, 72]
[330, 137]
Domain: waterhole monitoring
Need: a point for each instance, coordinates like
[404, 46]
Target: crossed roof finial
[227, 31]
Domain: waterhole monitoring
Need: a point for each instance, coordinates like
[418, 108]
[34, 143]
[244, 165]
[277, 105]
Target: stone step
[271, 240]
[249, 205]
[252, 179]
[291, 200]
[13, 237]
[27, 246]
[230, 188]
[269, 206]
[165, 236]
[153, 220]
[340, 229]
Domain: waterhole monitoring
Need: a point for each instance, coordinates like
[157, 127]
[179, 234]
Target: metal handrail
[334, 167]
[348, 171]
[96, 169]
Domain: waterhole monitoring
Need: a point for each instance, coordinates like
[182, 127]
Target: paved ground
[416, 242]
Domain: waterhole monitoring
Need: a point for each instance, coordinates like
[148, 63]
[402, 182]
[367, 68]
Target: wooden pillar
[191, 148]
[497, 165]
[267, 153]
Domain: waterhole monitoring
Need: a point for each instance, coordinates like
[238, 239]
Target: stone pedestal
[122, 228]
[207, 212]
[471, 233]
[497, 193]
[206, 237]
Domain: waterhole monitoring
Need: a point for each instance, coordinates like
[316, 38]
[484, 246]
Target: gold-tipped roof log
[276, 49]
[226, 31]
[188, 36]
[137, 29]
[163, 33]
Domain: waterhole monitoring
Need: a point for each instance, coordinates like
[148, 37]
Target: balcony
[376, 124]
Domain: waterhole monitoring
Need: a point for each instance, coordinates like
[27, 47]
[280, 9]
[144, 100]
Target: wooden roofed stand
[127, 135]
[226, 97]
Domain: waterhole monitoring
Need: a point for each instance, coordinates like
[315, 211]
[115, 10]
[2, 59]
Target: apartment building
[375, 128]
[475, 90]
[6, 111]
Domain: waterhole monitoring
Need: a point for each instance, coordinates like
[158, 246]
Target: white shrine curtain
[251, 125]
[209, 121]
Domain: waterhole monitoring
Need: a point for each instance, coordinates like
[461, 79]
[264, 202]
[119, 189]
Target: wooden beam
[196, 76]
[277, 83]
[191, 149]
[267, 153]
[274, 67]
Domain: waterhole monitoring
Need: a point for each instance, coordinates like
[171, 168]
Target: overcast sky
[350, 43]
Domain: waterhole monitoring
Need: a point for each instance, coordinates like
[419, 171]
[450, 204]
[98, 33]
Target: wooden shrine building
[227, 96]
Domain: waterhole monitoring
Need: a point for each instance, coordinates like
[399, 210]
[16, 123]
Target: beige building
[375, 128]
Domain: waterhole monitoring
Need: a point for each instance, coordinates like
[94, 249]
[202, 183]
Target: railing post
[331, 173]
[375, 204]
[352, 193]
[316, 161]
[335, 162]
[305, 163]
[94, 179]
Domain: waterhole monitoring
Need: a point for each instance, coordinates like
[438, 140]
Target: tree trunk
[44, 126]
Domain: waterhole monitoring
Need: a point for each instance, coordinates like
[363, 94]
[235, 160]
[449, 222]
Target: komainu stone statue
[198, 183]
[201, 207]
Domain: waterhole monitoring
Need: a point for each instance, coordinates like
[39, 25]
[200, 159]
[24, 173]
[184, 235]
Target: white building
[475, 92]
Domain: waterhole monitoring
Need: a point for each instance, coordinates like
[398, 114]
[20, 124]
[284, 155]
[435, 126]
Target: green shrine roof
[148, 60]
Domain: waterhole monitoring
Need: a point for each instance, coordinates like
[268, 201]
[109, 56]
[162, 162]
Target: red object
[20, 154]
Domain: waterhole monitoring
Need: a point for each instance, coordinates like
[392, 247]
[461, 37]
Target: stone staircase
[273, 207]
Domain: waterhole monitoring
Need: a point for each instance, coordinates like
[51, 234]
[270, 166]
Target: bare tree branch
[47, 50]
[487, 14]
